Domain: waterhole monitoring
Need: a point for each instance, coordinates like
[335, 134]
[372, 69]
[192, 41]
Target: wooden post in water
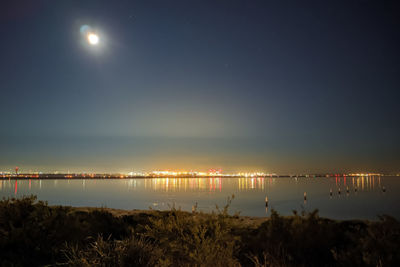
[194, 208]
[266, 201]
[330, 192]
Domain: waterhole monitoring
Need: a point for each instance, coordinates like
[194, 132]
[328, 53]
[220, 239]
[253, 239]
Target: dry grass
[35, 234]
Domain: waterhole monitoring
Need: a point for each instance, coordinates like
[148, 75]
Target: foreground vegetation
[35, 234]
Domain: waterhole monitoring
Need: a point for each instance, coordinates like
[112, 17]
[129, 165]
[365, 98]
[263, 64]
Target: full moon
[93, 39]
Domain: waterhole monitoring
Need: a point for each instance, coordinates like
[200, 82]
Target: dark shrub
[35, 234]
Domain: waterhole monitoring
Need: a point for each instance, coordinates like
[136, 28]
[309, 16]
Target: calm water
[284, 194]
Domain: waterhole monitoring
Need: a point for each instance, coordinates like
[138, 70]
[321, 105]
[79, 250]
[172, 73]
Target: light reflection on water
[335, 197]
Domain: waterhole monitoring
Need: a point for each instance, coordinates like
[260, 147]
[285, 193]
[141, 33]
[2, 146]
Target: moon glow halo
[93, 39]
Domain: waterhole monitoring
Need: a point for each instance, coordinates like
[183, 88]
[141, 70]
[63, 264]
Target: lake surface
[366, 198]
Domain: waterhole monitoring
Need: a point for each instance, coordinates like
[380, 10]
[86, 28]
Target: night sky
[276, 86]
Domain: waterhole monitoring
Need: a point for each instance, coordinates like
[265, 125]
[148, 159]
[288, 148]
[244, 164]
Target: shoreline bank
[35, 234]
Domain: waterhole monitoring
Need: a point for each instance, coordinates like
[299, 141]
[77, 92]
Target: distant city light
[212, 173]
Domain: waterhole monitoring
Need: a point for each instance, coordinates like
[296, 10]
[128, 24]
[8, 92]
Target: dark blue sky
[279, 86]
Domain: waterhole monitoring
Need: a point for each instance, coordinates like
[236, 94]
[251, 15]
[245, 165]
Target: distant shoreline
[136, 177]
[119, 177]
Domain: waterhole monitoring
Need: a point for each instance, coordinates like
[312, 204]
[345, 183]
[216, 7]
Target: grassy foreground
[35, 234]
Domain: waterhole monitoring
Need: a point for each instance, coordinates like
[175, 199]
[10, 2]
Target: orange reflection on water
[183, 184]
[251, 183]
[211, 184]
[362, 183]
